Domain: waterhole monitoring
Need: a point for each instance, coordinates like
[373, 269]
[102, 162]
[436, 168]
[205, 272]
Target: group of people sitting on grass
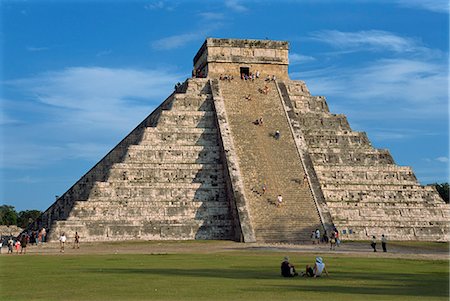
[288, 270]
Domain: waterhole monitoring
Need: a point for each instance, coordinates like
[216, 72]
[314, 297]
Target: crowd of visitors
[20, 243]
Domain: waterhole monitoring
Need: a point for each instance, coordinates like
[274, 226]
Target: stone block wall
[165, 180]
[226, 56]
[365, 191]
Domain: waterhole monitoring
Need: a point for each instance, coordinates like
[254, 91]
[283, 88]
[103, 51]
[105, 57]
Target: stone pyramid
[203, 166]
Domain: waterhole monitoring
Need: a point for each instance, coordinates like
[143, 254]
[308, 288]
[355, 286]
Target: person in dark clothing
[384, 243]
[287, 269]
[373, 244]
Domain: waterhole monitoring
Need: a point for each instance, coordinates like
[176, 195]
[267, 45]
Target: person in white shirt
[279, 200]
[319, 268]
[62, 241]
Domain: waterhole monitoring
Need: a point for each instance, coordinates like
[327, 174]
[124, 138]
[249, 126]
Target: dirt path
[395, 250]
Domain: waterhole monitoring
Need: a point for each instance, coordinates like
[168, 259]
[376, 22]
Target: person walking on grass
[373, 244]
[62, 242]
[23, 243]
[383, 242]
[76, 243]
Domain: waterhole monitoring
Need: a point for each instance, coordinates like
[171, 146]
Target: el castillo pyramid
[202, 166]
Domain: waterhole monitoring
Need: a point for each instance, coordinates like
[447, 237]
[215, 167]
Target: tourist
[10, 245]
[373, 244]
[319, 268]
[313, 237]
[23, 243]
[17, 246]
[305, 180]
[274, 78]
[76, 242]
[279, 200]
[43, 234]
[333, 240]
[264, 188]
[1, 245]
[287, 269]
[325, 237]
[62, 241]
[317, 236]
[257, 74]
[338, 241]
[383, 242]
[277, 134]
[39, 239]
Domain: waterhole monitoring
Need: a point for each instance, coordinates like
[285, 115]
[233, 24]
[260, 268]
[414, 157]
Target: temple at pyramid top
[235, 57]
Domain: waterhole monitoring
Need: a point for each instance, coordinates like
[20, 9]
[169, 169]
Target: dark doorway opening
[245, 71]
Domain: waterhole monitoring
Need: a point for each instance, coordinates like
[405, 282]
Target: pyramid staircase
[264, 160]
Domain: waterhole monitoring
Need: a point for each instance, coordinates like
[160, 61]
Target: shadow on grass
[401, 284]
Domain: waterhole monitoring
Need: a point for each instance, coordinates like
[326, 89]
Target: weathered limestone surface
[264, 160]
[195, 167]
[163, 181]
[366, 193]
[226, 56]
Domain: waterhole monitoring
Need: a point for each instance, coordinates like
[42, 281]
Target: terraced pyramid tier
[165, 180]
[365, 191]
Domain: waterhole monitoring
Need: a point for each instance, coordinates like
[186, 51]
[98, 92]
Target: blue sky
[77, 76]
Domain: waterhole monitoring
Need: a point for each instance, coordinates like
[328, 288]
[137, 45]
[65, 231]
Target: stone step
[167, 166]
[261, 157]
[150, 189]
[187, 102]
[353, 157]
[175, 154]
[189, 136]
[187, 118]
[148, 230]
[352, 139]
[328, 121]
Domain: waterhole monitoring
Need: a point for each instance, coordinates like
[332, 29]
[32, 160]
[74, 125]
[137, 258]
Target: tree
[27, 217]
[8, 215]
[443, 190]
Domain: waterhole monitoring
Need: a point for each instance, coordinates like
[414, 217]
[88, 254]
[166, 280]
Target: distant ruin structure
[206, 165]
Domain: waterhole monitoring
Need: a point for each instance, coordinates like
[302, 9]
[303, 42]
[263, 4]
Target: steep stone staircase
[264, 160]
[366, 192]
[164, 181]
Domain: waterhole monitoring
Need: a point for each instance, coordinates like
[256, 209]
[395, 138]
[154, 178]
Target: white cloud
[407, 82]
[235, 5]
[442, 159]
[36, 49]
[439, 6]
[296, 58]
[373, 40]
[79, 112]
[211, 16]
[104, 53]
[155, 5]
[176, 41]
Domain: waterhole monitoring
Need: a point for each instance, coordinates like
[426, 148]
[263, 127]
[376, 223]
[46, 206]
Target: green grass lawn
[234, 275]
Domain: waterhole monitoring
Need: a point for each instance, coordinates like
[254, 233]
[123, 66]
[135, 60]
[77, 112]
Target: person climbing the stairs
[279, 200]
